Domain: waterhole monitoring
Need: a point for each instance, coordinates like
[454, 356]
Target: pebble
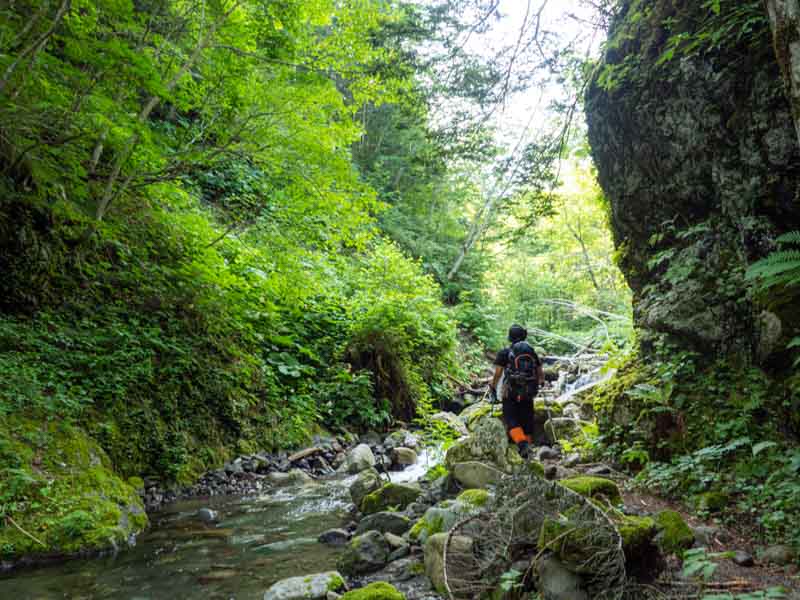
[206, 515]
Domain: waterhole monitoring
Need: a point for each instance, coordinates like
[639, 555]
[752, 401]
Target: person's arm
[498, 373]
[540, 374]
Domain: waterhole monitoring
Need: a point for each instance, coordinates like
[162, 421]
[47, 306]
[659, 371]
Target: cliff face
[697, 153]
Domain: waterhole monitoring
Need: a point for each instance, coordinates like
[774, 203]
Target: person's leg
[515, 426]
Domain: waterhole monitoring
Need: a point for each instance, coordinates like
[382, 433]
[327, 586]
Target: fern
[781, 268]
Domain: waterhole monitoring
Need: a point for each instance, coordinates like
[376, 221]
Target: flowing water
[258, 540]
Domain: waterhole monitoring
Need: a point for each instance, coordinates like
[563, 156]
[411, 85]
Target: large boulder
[364, 554]
[487, 443]
[434, 556]
[307, 587]
[391, 522]
[556, 582]
[444, 516]
[359, 459]
[367, 482]
[391, 495]
[293, 477]
[674, 535]
[595, 488]
[475, 475]
[400, 439]
[404, 456]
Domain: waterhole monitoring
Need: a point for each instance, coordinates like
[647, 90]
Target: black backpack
[521, 373]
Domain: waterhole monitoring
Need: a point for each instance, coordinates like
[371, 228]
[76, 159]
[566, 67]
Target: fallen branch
[30, 535]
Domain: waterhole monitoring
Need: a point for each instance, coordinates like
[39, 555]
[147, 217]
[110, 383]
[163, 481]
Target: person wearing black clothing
[518, 411]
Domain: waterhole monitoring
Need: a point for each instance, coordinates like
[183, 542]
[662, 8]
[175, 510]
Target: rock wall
[697, 153]
[784, 18]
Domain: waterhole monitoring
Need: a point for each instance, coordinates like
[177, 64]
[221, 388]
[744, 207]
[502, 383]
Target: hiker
[521, 371]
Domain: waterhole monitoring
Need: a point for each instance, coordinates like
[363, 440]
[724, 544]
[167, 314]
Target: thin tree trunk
[34, 48]
[109, 192]
[784, 18]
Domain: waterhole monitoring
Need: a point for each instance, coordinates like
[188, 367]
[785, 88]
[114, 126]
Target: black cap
[517, 333]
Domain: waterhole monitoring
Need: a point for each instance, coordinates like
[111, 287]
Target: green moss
[597, 488]
[136, 483]
[375, 591]
[475, 498]
[674, 536]
[424, 527]
[636, 533]
[335, 583]
[535, 467]
[390, 495]
[63, 490]
[435, 472]
[566, 539]
[711, 501]
[553, 409]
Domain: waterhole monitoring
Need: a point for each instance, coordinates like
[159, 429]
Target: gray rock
[401, 438]
[556, 582]
[334, 537]
[475, 475]
[333, 596]
[434, 556]
[365, 554]
[398, 553]
[308, 587]
[599, 471]
[743, 559]
[488, 443]
[206, 515]
[370, 438]
[293, 477]
[572, 460]
[234, 467]
[395, 541]
[367, 482]
[547, 453]
[706, 535]
[384, 522]
[404, 456]
[359, 459]
[778, 555]
[451, 421]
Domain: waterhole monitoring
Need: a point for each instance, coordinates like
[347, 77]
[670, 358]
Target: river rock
[395, 541]
[293, 477]
[439, 519]
[334, 537]
[401, 438]
[367, 482]
[307, 587]
[487, 443]
[359, 459]
[743, 559]
[556, 582]
[434, 556]
[475, 475]
[547, 453]
[365, 553]
[778, 555]
[404, 456]
[206, 515]
[391, 495]
[450, 421]
[384, 522]
[378, 590]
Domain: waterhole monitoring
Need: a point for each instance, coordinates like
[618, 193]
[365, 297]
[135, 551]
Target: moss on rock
[391, 495]
[596, 488]
[375, 591]
[65, 492]
[637, 533]
[711, 501]
[674, 535]
[475, 498]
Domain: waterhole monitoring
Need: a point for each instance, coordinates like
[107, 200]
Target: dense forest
[232, 228]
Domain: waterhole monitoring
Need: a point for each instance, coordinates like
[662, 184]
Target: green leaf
[761, 446]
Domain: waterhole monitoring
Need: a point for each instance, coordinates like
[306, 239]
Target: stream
[257, 541]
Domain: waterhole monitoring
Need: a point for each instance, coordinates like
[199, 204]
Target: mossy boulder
[487, 443]
[440, 519]
[637, 534]
[595, 488]
[674, 535]
[474, 498]
[390, 496]
[306, 587]
[711, 501]
[568, 540]
[475, 475]
[367, 481]
[65, 491]
[375, 591]
[365, 554]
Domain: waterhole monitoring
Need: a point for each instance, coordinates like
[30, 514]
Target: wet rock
[384, 522]
[743, 559]
[334, 537]
[359, 459]
[404, 456]
[556, 582]
[778, 555]
[599, 470]
[451, 421]
[547, 453]
[401, 438]
[206, 515]
[365, 553]
[434, 556]
[234, 467]
[551, 472]
[572, 460]
[391, 495]
[293, 477]
[308, 587]
[475, 475]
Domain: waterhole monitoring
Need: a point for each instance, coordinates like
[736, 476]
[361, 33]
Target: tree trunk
[784, 18]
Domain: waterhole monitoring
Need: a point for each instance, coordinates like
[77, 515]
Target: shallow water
[257, 541]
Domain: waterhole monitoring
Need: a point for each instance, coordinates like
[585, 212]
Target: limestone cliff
[696, 150]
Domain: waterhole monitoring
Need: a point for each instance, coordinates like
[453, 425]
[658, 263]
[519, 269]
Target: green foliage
[700, 565]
